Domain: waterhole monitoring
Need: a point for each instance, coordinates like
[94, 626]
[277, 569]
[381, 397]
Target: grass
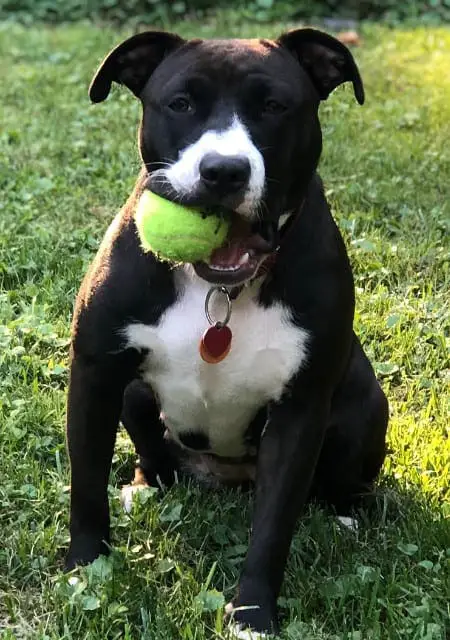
[65, 168]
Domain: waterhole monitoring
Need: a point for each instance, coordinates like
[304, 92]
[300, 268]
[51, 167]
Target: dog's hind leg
[354, 448]
[140, 417]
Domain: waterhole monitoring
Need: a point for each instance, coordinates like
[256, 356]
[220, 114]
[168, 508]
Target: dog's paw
[237, 632]
[251, 622]
[128, 493]
[83, 550]
[348, 523]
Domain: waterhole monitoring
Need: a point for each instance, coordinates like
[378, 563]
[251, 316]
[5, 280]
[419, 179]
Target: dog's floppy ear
[132, 62]
[327, 61]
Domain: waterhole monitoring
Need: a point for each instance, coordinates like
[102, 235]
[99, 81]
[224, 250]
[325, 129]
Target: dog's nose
[224, 174]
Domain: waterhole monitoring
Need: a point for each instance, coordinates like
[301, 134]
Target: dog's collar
[288, 222]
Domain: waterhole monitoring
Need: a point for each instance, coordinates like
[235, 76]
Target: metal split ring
[225, 292]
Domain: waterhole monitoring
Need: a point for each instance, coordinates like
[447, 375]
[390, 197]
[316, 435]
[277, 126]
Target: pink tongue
[229, 255]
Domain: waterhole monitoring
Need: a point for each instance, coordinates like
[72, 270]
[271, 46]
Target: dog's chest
[218, 400]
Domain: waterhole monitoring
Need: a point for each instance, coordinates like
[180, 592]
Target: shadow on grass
[386, 580]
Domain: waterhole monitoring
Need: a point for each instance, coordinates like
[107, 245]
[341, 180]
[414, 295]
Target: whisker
[157, 162]
[261, 209]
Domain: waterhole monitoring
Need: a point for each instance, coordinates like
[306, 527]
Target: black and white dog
[295, 404]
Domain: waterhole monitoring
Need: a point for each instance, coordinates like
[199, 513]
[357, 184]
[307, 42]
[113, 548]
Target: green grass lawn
[65, 168]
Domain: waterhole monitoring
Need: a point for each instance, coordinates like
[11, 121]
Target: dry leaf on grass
[350, 38]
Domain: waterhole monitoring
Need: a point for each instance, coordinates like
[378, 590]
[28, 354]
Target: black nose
[224, 174]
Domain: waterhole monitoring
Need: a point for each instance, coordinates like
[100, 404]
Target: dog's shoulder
[122, 284]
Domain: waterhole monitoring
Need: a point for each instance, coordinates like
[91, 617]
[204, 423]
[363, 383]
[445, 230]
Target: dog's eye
[180, 104]
[273, 107]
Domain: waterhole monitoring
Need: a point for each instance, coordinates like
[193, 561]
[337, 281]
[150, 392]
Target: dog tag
[216, 341]
[215, 344]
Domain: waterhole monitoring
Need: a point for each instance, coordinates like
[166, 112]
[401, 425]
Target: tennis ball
[176, 233]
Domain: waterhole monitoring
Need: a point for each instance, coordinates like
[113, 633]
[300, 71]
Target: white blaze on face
[184, 175]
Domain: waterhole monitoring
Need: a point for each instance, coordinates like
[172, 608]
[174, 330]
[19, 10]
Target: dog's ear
[327, 61]
[132, 62]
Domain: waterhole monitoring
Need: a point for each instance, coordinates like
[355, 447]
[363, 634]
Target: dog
[295, 407]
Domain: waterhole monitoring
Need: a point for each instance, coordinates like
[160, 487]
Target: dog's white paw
[349, 523]
[237, 632]
[128, 493]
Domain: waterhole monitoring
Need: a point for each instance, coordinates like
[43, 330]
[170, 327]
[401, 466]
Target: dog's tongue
[230, 254]
[241, 245]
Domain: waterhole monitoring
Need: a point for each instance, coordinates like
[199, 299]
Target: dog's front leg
[94, 405]
[287, 458]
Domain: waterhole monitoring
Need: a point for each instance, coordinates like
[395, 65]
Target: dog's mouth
[240, 257]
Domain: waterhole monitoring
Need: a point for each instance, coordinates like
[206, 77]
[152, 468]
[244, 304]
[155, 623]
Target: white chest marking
[221, 399]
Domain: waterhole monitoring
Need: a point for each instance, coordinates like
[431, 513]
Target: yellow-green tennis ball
[176, 233]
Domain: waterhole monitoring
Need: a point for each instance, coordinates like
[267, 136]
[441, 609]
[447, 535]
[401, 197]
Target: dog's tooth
[244, 259]
[218, 267]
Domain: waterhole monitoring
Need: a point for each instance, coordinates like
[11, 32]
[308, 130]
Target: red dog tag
[215, 344]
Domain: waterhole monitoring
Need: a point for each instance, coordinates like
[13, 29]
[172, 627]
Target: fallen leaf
[350, 38]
